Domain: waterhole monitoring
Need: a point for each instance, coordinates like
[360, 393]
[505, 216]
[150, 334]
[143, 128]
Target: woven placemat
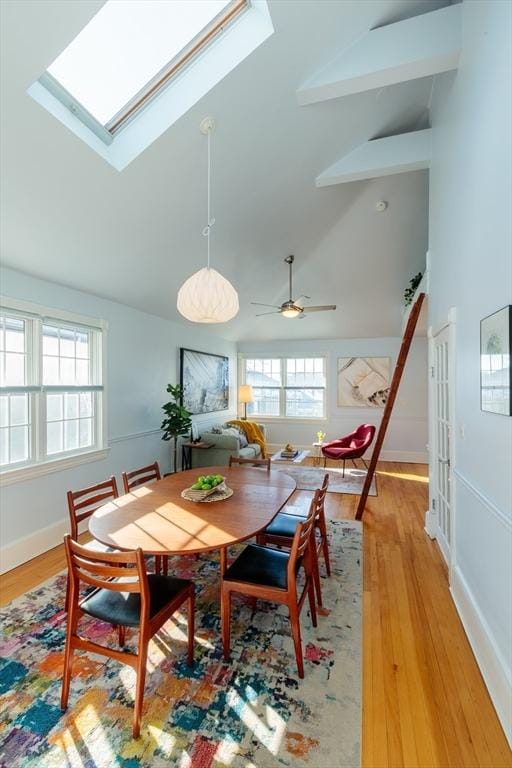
[217, 496]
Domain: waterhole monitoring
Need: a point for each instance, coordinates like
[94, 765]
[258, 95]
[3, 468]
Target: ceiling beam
[381, 157]
[417, 47]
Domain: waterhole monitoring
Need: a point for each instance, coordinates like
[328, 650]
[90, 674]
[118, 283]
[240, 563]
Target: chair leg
[158, 564]
[72, 623]
[226, 621]
[315, 575]
[343, 475]
[191, 611]
[354, 463]
[165, 565]
[325, 544]
[365, 463]
[312, 606]
[122, 635]
[139, 688]
[295, 625]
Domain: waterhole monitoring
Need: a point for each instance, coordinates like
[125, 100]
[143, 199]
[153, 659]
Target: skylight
[140, 65]
[130, 48]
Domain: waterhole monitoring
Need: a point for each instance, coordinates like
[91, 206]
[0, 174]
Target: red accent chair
[352, 446]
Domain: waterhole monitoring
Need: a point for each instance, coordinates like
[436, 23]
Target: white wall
[143, 356]
[407, 432]
[471, 269]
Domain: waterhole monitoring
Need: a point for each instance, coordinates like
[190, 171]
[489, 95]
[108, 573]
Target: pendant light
[207, 297]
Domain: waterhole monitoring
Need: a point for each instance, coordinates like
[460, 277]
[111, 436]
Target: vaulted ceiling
[135, 236]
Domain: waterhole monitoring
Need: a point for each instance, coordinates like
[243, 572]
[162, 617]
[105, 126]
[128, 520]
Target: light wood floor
[424, 701]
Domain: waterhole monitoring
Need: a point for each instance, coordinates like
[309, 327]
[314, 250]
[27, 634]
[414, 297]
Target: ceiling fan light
[207, 297]
[290, 312]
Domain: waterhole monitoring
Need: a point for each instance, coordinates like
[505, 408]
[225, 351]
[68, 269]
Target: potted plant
[409, 292]
[177, 420]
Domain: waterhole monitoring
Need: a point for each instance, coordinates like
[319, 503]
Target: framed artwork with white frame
[495, 353]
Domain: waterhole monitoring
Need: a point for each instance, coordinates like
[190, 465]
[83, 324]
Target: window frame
[40, 462]
[283, 386]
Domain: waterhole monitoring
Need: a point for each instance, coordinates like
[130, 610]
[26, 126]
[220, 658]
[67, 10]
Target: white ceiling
[135, 236]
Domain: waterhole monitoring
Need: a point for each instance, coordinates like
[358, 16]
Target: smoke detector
[381, 205]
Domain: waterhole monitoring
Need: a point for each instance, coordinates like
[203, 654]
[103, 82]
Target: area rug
[253, 712]
[310, 478]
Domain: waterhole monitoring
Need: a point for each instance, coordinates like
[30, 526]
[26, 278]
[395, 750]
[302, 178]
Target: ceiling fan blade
[257, 304]
[298, 301]
[261, 314]
[325, 308]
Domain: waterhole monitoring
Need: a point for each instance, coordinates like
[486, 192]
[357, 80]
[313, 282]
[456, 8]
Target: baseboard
[494, 669]
[430, 523]
[24, 549]
[408, 457]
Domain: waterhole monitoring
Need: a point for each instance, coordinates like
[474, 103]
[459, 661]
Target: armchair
[352, 446]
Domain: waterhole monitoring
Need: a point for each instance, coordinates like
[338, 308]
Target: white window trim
[27, 470]
[284, 419]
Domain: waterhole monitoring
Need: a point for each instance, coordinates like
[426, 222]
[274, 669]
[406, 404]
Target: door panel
[442, 438]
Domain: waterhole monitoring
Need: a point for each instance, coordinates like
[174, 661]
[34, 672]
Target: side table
[186, 453]
[317, 454]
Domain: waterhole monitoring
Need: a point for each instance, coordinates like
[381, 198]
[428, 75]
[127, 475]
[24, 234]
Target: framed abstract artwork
[495, 371]
[204, 378]
[363, 381]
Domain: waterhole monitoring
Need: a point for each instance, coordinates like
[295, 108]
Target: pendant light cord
[211, 220]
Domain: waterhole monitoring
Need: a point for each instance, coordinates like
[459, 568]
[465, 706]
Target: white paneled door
[442, 440]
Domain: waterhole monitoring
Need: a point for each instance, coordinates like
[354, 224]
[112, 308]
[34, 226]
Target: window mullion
[38, 431]
[282, 393]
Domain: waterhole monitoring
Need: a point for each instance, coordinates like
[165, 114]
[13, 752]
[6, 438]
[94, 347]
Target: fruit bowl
[199, 493]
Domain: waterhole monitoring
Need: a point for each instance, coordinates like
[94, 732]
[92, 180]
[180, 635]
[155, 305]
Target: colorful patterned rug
[253, 712]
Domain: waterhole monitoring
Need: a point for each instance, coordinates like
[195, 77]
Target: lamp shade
[207, 297]
[245, 393]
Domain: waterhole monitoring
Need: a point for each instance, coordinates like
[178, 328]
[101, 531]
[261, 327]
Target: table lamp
[245, 396]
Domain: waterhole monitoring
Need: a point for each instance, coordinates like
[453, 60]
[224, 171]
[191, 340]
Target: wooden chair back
[82, 504]
[103, 570]
[321, 493]
[253, 462]
[302, 538]
[141, 476]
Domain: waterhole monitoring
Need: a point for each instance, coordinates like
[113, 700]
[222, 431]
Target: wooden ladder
[393, 391]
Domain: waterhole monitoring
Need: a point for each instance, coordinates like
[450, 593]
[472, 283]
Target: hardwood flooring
[425, 704]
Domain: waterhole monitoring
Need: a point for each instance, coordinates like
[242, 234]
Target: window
[129, 50]
[290, 387]
[51, 388]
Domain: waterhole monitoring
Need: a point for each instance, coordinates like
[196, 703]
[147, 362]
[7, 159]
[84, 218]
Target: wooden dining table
[157, 519]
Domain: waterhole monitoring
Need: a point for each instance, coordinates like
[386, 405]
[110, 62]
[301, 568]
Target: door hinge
[431, 371]
[433, 504]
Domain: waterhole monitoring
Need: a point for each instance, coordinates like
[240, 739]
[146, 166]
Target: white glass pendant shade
[207, 297]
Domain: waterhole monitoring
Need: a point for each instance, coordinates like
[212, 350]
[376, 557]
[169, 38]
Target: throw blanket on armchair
[253, 434]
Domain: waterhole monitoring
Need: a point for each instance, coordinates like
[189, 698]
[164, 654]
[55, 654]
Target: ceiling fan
[292, 307]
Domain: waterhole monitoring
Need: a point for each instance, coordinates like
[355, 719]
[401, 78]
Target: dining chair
[141, 476]
[82, 504]
[124, 595]
[134, 479]
[269, 574]
[233, 460]
[281, 531]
